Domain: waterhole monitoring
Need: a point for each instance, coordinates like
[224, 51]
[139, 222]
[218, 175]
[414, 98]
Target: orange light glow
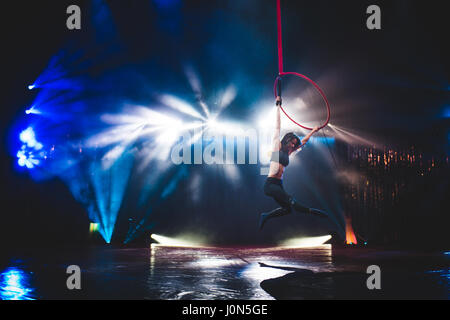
[350, 237]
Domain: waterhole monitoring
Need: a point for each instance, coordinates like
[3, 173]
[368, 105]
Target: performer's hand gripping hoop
[278, 81]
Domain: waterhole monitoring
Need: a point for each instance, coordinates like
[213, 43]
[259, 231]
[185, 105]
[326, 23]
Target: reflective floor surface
[176, 273]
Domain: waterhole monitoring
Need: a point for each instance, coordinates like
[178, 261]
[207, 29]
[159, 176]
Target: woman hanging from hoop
[281, 150]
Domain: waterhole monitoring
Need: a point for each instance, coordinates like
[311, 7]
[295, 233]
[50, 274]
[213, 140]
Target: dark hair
[288, 137]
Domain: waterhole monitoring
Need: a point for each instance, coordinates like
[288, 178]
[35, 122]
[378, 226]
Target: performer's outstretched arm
[276, 144]
[306, 138]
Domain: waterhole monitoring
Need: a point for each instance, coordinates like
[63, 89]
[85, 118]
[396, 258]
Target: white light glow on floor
[306, 242]
[174, 242]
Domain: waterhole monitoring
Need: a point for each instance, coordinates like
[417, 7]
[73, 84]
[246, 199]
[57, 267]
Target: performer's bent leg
[318, 212]
[277, 192]
[286, 202]
[302, 209]
[298, 207]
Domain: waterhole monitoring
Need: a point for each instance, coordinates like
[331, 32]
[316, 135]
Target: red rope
[280, 47]
[282, 73]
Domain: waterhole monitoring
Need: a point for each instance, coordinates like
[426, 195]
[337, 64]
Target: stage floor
[225, 273]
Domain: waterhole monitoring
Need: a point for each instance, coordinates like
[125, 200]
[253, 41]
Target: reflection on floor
[160, 272]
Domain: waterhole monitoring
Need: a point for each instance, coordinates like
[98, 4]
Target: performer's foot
[318, 212]
[262, 220]
[279, 212]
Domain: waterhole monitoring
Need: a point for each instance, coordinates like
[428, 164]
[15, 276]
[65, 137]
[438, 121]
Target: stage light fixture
[32, 110]
[93, 227]
[306, 242]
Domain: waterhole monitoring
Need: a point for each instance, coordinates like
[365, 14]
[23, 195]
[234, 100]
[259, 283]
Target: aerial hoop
[315, 86]
[282, 73]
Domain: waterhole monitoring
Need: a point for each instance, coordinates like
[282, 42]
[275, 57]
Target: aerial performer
[273, 187]
[282, 149]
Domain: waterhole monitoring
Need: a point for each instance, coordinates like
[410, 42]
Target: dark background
[390, 84]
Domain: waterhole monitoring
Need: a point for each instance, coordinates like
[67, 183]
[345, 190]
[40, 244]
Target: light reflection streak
[226, 273]
[14, 285]
[256, 273]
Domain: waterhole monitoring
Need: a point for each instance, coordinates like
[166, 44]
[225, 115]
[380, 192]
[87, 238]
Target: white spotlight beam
[111, 136]
[228, 97]
[350, 137]
[196, 86]
[179, 105]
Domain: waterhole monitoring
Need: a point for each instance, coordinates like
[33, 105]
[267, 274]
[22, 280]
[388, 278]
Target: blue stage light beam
[109, 186]
[159, 192]
[162, 4]
[172, 185]
[446, 112]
